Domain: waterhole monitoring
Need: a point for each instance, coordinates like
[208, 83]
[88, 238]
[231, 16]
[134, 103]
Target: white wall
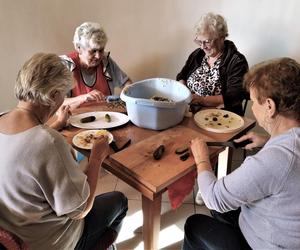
[147, 38]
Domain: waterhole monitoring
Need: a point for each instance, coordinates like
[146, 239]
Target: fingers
[250, 146]
[100, 148]
[198, 146]
[254, 140]
[200, 150]
[63, 112]
[242, 138]
[101, 143]
[95, 95]
[67, 109]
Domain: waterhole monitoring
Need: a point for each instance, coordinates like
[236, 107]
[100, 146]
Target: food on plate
[185, 156]
[107, 118]
[160, 99]
[88, 119]
[87, 139]
[158, 153]
[181, 150]
[217, 119]
[117, 105]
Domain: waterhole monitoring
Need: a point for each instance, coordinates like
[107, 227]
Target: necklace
[32, 113]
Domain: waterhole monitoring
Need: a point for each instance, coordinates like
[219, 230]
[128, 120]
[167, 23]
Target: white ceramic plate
[117, 119]
[218, 120]
[85, 139]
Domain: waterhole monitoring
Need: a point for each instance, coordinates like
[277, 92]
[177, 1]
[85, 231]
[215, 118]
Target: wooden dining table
[136, 166]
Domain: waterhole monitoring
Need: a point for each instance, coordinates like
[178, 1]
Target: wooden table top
[135, 164]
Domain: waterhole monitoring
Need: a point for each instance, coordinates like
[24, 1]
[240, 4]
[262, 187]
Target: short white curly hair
[212, 24]
[88, 33]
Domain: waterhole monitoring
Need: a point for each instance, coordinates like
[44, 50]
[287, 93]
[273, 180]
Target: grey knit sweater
[267, 188]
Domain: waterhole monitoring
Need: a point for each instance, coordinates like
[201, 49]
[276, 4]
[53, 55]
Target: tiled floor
[172, 221]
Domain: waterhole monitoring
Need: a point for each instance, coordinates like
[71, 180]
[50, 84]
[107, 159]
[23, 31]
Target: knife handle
[114, 146]
[126, 144]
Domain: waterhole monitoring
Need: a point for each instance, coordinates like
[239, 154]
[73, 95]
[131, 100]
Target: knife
[115, 148]
[220, 144]
[231, 144]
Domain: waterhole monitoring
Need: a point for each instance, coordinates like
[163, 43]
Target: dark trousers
[103, 222]
[214, 233]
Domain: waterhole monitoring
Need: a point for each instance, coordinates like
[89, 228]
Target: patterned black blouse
[205, 80]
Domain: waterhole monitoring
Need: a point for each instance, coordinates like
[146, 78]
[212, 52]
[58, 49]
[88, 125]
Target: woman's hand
[257, 140]
[197, 99]
[94, 95]
[100, 150]
[63, 114]
[183, 82]
[201, 154]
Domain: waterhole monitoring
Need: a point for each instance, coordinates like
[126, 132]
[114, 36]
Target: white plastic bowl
[157, 115]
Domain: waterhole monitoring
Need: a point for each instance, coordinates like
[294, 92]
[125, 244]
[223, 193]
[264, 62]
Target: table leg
[151, 217]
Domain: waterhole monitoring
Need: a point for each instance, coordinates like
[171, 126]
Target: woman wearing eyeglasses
[257, 205]
[214, 72]
[96, 74]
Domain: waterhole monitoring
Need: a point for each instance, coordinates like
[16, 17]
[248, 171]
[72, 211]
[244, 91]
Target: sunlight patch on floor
[130, 223]
[169, 236]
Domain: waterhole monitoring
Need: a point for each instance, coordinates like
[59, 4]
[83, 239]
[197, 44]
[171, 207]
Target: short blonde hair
[213, 24]
[87, 32]
[40, 76]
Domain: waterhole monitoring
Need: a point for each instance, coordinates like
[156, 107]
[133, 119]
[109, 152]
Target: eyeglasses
[94, 51]
[205, 43]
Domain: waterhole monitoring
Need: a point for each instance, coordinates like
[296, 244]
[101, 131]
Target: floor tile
[172, 226]
[172, 221]
[106, 182]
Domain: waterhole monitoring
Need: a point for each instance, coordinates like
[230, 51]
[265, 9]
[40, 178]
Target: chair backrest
[11, 241]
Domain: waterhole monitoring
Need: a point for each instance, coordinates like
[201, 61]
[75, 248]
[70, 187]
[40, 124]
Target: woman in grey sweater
[263, 194]
[45, 199]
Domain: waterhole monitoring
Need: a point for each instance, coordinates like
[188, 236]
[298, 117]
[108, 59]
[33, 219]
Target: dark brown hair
[278, 79]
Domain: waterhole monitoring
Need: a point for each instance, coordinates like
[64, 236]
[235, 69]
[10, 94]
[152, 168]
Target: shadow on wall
[165, 62]
[151, 67]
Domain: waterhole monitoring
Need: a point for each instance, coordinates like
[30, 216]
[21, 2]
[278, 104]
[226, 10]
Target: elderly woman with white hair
[257, 205]
[45, 199]
[214, 72]
[96, 74]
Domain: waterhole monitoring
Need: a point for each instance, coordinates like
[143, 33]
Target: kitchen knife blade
[231, 144]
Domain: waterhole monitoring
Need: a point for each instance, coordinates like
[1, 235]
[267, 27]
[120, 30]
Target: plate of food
[98, 120]
[85, 139]
[218, 120]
